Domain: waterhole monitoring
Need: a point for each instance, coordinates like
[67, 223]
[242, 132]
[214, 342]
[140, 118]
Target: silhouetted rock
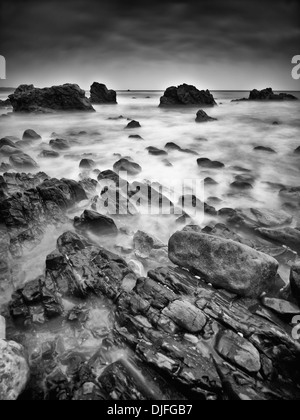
[133, 124]
[174, 146]
[241, 185]
[68, 97]
[95, 223]
[297, 151]
[269, 95]
[31, 135]
[5, 103]
[226, 264]
[125, 165]
[203, 117]
[135, 136]
[185, 95]
[101, 95]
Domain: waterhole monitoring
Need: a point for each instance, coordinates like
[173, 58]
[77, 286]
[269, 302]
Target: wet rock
[173, 146]
[14, 370]
[264, 149]
[209, 164]
[285, 236]
[295, 281]
[95, 223]
[281, 307]
[87, 164]
[8, 150]
[31, 135]
[156, 152]
[101, 95]
[125, 165]
[8, 141]
[186, 315]
[133, 124]
[49, 154]
[68, 97]
[21, 161]
[239, 351]
[145, 243]
[203, 117]
[225, 264]
[185, 95]
[35, 304]
[253, 218]
[240, 185]
[60, 144]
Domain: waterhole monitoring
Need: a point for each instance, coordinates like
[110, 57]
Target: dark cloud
[150, 42]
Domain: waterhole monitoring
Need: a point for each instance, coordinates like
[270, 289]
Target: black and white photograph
[149, 203]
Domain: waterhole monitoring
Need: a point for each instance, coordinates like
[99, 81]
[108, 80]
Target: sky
[151, 44]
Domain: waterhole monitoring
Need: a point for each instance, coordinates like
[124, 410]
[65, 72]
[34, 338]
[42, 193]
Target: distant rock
[297, 151]
[155, 151]
[241, 185]
[203, 117]
[49, 154]
[125, 165]
[209, 164]
[264, 149]
[14, 370]
[135, 136]
[133, 124]
[22, 161]
[60, 144]
[87, 164]
[267, 95]
[173, 146]
[224, 263]
[68, 97]
[95, 223]
[31, 135]
[5, 103]
[101, 95]
[186, 95]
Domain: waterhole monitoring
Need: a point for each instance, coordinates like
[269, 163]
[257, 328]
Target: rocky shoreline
[205, 316]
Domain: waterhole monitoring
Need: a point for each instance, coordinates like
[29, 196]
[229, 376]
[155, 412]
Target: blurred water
[240, 126]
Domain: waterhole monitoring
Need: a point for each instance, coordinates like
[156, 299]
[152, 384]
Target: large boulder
[14, 370]
[101, 95]
[31, 135]
[68, 97]
[96, 223]
[186, 95]
[125, 165]
[224, 263]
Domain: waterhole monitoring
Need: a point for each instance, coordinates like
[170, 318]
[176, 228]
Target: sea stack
[101, 95]
[186, 95]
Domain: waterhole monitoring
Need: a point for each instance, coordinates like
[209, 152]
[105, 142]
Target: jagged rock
[95, 223]
[35, 303]
[295, 281]
[87, 164]
[269, 95]
[253, 218]
[226, 264]
[186, 95]
[5, 103]
[145, 243]
[48, 154]
[238, 351]
[203, 117]
[68, 97]
[14, 370]
[31, 135]
[133, 124]
[101, 95]
[21, 161]
[125, 165]
[281, 307]
[60, 144]
[209, 164]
